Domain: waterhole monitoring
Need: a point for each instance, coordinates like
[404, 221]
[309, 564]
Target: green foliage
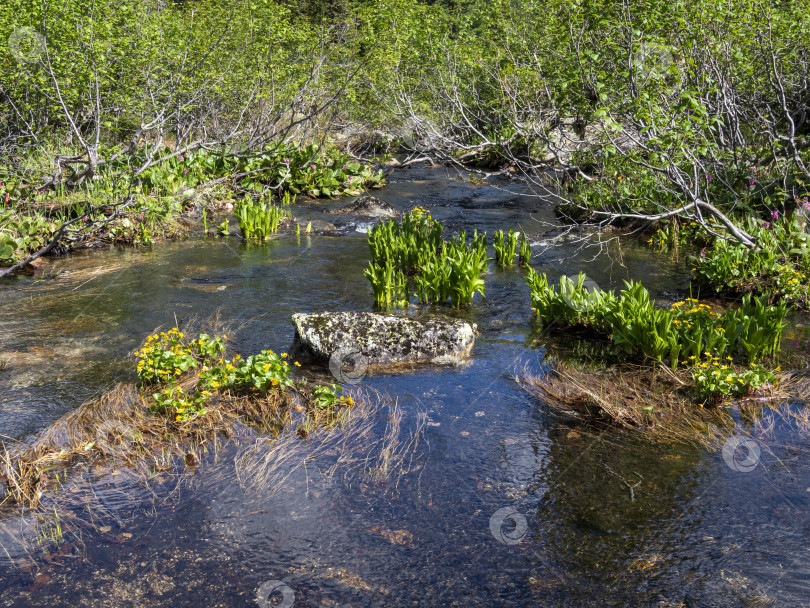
[715, 379]
[318, 171]
[388, 284]
[505, 247]
[259, 220]
[325, 397]
[174, 401]
[683, 332]
[223, 229]
[675, 233]
[165, 356]
[412, 252]
[22, 234]
[262, 372]
[525, 250]
[777, 267]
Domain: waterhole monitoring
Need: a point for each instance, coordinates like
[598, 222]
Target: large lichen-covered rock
[386, 341]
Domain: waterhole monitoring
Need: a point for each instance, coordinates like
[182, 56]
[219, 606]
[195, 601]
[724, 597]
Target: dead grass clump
[120, 428]
[368, 439]
[660, 401]
[628, 396]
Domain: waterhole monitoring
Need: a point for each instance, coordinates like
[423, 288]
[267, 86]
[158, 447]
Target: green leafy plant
[413, 253]
[715, 379]
[177, 403]
[259, 221]
[687, 329]
[327, 396]
[505, 247]
[525, 250]
[223, 229]
[164, 357]
[778, 267]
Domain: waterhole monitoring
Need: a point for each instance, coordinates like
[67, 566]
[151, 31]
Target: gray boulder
[369, 206]
[383, 341]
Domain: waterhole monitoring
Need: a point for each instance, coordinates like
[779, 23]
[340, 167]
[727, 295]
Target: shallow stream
[503, 502]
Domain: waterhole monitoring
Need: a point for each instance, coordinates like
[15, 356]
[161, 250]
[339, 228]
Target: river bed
[503, 503]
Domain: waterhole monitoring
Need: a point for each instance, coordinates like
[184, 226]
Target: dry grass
[137, 457]
[349, 445]
[140, 458]
[120, 428]
[656, 400]
[630, 396]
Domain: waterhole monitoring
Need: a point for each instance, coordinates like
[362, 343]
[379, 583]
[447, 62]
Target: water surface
[597, 518]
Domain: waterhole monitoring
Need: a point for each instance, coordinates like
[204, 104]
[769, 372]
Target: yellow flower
[729, 378]
[350, 401]
[283, 355]
[715, 373]
[274, 382]
[266, 366]
[297, 364]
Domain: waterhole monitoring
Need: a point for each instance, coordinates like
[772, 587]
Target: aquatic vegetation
[778, 267]
[453, 272]
[715, 378]
[683, 332]
[263, 371]
[223, 229]
[174, 400]
[525, 250]
[164, 357]
[183, 418]
[259, 220]
[29, 220]
[327, 396]
[318, 171]
[656, 400]
[505, 247]
[389, 285]
[412, 253]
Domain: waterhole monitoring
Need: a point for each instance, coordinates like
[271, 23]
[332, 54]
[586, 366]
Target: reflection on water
[505, 504]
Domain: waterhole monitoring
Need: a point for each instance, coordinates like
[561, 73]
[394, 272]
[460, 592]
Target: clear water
[597, 519]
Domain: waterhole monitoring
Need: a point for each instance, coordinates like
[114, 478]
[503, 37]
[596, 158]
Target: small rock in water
[479, 414]
[369, 206]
